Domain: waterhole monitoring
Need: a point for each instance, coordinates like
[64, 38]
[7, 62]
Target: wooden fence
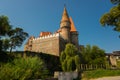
[92, 66]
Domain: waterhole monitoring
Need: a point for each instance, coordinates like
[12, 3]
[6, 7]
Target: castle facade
[54, 43]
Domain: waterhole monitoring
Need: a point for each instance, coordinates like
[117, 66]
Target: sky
[35, 16]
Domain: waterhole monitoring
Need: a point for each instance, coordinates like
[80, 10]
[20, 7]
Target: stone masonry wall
[74, 38]
[48, 45]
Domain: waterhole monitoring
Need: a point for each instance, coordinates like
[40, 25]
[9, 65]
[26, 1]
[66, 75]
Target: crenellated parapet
[48, 36]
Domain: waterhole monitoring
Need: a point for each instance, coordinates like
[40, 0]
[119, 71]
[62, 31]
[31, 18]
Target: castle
[55, 43]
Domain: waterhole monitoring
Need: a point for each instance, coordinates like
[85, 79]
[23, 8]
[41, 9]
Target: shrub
[23, 68]
[69, 58]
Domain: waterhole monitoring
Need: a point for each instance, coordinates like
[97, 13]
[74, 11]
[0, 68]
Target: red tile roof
[45, 33]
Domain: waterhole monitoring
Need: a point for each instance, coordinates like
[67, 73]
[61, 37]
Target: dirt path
[108, 78]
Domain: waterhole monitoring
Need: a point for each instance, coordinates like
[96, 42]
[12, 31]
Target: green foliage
[4, 29]
[52, 62]
[63, 56]
[46, 58]
[112, 18]
[64, 65]
[4, 25]
[5, 44]
[71, 64]
[118, 63]
[17, 36]
[77, 62]
[115, 1]
[69, 58]
[9, 37]
[93, 55]
[70, 50]
[23, 68]
[99, 73]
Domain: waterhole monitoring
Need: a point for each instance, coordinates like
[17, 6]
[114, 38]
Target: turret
[65, 26]
[73, 34]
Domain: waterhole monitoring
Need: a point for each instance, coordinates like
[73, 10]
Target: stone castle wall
[48, 44]
[51, 44]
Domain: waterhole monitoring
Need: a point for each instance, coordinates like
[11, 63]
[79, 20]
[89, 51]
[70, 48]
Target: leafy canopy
[17, 36]
[112, 18]
[4, 25]
[70, 58]
[115, 1]
[93, 55]
[10, 38]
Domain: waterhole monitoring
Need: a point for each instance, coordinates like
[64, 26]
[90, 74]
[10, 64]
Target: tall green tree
[4, 25]
[4, 29]
[93, 55]
[17, 36]
[5, 44]
[10, 38]
[69, 58]
[112, 18]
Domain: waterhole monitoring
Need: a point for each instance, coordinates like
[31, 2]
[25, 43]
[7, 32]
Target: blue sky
[35, 16]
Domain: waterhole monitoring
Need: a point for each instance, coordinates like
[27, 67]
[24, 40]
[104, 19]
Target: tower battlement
[48, 36]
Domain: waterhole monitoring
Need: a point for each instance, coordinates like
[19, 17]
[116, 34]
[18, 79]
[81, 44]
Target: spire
[65, 16]
[72, 25]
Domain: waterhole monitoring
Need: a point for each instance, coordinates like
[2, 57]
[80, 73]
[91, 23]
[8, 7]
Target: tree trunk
[0, 45]
[11, 46]
[11, 49]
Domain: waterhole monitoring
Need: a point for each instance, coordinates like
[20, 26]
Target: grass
[99, 73]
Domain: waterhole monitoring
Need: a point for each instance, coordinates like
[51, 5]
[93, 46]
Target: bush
[69, 58]
[23, 68]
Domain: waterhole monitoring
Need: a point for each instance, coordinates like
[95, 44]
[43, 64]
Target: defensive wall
[47, 44]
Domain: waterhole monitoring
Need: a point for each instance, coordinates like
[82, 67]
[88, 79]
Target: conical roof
[65, 16]
[72, 25]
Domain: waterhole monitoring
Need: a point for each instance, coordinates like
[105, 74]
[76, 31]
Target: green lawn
[99, 73]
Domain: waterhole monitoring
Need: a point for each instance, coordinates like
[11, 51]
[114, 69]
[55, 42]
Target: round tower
[65, 26]
[73, 34]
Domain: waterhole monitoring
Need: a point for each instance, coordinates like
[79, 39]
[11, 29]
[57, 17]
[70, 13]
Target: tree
[4, 25]
[93, 55]
[4, 28]
[5, 44]
[69, 58]
[17, 36]
[115, 1]
[9, 37]
[112, 18]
